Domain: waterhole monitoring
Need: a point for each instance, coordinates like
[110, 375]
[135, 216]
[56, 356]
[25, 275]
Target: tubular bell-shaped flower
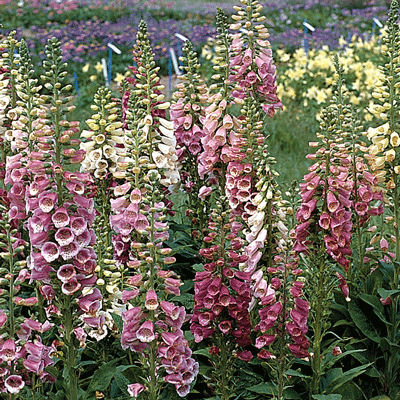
[61, 213]
[251, 62]
[383, 153]
[340, 180]
[222, 295]
[9, 107]
[157, 131]
[218, 124]
[187, 114]
[273, 270]
[17, 363]
[103, 149]
[383, 156]
[331, 203]
[28, 114]
[152, 325]
[240, 174]
[5, 99]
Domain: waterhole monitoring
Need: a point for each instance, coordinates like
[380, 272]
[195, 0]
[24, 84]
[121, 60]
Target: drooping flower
[138, 217]
[135, 388]
[251, 63]
[14, 383]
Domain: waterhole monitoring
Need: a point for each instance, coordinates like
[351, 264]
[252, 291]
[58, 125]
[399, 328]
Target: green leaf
[292, 372]
[189, 336]
[66, 379]
[40, 396]
[290, 394]
[375, 280]
[262, 388]
[198, 267]
[177, 248]
[339, 307]
[362, 322]
[341, 322]
[271, 389]
[371, 371]
[85, 363]
[383, 397]
[122, 382]
[330, 360]
[239, 396]
[345, 377]
[118, 321]
[202, 352]
[81, 394]
[114, 389]
[327, 396]
[52, 370]
[186, 299]
[387, 345]
[205, 370]
[189, 284]
[122, 368]
[179, 227]
[386, 293]
[60, 395]
[387, 269]
[102, 378]
[374, 302]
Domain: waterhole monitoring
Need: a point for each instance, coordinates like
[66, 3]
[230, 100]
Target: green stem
[393, 123]
[71, 351]
[282, 358]
[153, 383]
[130, 357]
[153, 253]
[223, 364]
[227, 69]
[357, 217]
[33, 391]
[106, 212]
[153, 389]
[29, 107]
[11, 294]
[397, 231]
[13, 81]
[3, 153]
[269, 234]
[11, 286]
[42, 316]
[393, 328]
[316, 361]
[57, 134]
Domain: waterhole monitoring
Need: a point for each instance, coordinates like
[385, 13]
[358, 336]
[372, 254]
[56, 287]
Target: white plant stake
[181, 37]
[104, 64]
[308, 26]
[174, 61]
[379, 23]
[114, 48]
